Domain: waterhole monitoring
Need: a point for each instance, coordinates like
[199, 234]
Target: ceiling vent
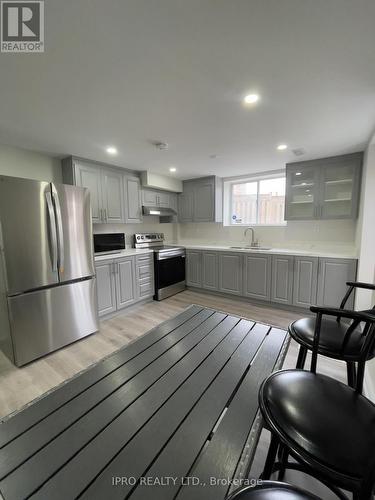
[298, 151]
[163, 146]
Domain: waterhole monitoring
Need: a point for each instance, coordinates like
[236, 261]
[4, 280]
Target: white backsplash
[338, 235]
[150, 224]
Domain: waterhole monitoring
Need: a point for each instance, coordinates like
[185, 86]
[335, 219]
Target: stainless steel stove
[169, 263]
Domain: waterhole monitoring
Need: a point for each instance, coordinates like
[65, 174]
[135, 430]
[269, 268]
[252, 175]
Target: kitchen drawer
[146, 288]
[144, 270]
[142, 259]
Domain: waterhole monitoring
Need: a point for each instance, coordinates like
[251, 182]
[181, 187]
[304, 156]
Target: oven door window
[170, 271]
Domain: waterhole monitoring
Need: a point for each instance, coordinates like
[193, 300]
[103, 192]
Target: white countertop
[123, 253]
[229, 248]
[278, 251]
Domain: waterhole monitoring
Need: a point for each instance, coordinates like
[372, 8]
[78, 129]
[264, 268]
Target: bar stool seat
[325, 424]
[272, 490]
[331, 337]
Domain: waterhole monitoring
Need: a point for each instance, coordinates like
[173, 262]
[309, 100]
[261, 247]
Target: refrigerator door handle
[60, 233]
[52, 229]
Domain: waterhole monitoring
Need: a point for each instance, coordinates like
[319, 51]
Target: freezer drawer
[48, 319]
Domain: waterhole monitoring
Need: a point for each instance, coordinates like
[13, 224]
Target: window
[258, 201]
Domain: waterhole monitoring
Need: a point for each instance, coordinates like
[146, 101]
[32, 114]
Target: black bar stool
[272, 490]
[336, 340]
[327, 426]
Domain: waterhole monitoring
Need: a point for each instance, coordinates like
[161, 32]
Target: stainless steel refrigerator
[47, 275]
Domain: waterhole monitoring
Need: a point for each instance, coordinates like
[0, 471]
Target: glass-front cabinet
[302, 191]
[339, 190]
[327, 188]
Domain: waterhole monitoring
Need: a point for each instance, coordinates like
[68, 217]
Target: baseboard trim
[249, 300]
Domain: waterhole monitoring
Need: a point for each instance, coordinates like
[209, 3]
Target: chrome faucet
[253, 242]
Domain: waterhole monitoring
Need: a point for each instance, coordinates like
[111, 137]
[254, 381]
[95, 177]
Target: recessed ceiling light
[298, 173]
[173, 169]
[282, 147]
[111, 150]
[251, 98]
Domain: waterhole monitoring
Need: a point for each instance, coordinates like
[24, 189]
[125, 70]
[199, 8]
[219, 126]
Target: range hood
[162, 212]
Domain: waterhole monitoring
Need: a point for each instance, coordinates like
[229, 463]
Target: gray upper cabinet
[201, 200]
[115, 193]
[160, 199]
[133, 202]
[125, 281]
[210, 274]
[113, 196]
[90, 177]
[194, 268]
[163, 199]
[204, 206]
[282, 279]
[230, 273]
[258, 276]
[185, 206]
[149, 197]
[105, 279]
[327, 188]
[332, 278]
[173, 201]
[305, 281]
[340, 188]
[302, 192]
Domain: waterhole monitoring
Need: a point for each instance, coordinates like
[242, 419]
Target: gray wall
[366, 243]
[18, 162]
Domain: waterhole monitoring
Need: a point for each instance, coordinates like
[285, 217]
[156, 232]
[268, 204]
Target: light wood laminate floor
[19, 386]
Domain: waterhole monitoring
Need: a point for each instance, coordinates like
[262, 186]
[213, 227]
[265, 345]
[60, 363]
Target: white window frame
[227, 197]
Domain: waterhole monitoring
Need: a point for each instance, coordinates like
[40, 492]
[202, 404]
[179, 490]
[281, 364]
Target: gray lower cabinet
[230, 273]
[106, 286]
[125, 282]
[194, 268]
[145, 275]
[210, 273]
[332, 277]
[258, 276]
[305, 281]
[282, 279]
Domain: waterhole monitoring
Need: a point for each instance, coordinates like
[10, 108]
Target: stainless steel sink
[251, 248]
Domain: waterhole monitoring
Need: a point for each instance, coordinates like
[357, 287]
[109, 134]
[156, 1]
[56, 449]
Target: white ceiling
[127, 72]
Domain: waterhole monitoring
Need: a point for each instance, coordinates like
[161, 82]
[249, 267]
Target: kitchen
[170, 187]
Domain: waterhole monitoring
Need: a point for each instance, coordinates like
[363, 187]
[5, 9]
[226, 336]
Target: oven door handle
[170, 255]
